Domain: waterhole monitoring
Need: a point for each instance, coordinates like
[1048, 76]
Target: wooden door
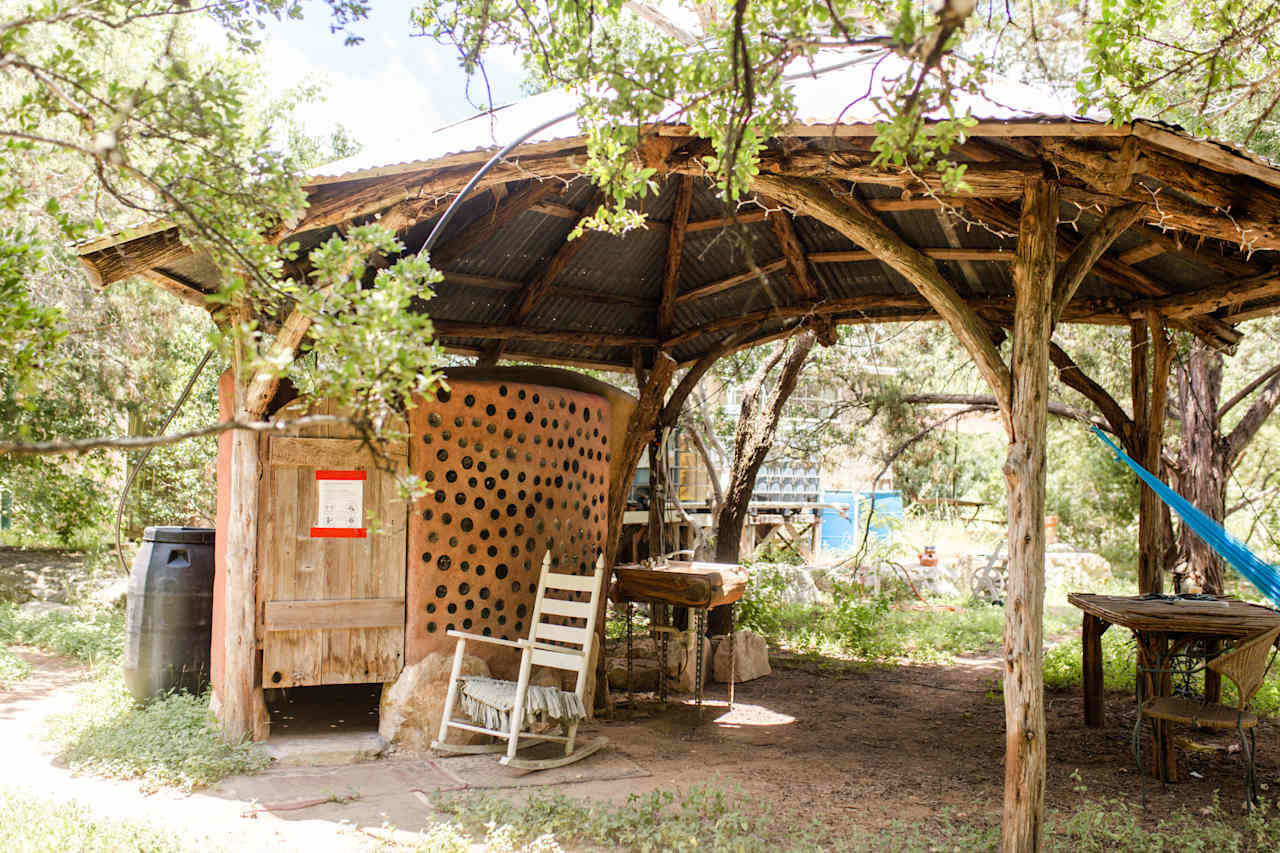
[331, 599]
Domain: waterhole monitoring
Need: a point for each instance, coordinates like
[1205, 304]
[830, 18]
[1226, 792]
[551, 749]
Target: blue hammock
[1260, 574]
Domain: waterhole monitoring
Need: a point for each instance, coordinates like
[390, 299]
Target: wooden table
[698, 586]
[1156, 623]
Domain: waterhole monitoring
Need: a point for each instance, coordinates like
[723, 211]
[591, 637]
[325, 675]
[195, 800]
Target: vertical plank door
[332, 598]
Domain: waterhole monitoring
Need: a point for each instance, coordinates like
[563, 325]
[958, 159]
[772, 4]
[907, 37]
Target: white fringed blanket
[490, 701]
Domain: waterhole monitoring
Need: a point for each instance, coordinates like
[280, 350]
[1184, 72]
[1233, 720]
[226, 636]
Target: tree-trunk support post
[240, 708]
[1149, 386]
[1023, 396]
[657, 494]
[1033, 277]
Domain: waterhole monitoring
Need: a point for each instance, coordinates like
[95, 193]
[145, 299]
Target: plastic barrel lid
[179, 535]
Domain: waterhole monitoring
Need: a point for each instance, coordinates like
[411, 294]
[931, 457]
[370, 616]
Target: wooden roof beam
[333, 204]
[1001, 179]
[536, 288]
[1087, 252]
[540, 285]
[113, 263]
[1206, 301]
[793, 252]
[1212, 331]
[499, 332]
[860, 225]
[1225, 207]
[675, 249]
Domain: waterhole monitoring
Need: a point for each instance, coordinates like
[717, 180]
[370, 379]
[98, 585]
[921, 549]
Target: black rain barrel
[169, 617]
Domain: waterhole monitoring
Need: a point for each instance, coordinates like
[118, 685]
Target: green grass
[94, 637]
[1063, 662]
[172, 742]
[881, 629]
[12, 667]
[707, 819]
[701, 819]
[34, 825]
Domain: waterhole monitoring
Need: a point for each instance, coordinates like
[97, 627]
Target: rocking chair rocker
[506, 709]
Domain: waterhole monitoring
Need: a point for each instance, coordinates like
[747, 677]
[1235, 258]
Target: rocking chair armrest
[497, 641]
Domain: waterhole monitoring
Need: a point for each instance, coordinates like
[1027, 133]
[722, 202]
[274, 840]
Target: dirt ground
[865, 747]
[814, 740]
[43, 574]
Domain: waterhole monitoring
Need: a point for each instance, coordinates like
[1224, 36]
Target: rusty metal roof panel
[517, 251]
[568, 313]
[629, 265]
[469, 304]
[1179, 273]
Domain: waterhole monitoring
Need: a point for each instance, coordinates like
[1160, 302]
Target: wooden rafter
[497, 332]
[757, 273]
[1086, 253]
[111, 264]
[856, 256]
[860, 225]
[459, 279]
[188, 291]
[985, 180]
[793, 252]
[283, 349]
[336, 203]
[541, 283]
[1208, 300]
[536, 288]
[745, 217]
[1214, 332]
[675, 249]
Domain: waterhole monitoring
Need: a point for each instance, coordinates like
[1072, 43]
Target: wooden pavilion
[1066, 219]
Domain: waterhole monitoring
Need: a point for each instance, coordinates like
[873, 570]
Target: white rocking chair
[505, 709]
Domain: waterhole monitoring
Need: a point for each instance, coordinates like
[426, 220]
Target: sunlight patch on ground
[743, 714]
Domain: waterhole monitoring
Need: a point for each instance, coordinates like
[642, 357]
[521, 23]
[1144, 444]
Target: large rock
[750, 657]
[112, 596]
[413, 705]
[682, 664]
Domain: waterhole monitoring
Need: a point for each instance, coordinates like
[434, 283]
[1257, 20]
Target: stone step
[324, 749]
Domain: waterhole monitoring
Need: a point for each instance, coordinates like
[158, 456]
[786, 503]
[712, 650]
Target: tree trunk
[757, 426]
[1150, 388]
[1022, 826]
[1202, 464]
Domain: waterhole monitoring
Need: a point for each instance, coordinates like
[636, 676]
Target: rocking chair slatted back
[550, 644]
[1246, 665]
[559, 645]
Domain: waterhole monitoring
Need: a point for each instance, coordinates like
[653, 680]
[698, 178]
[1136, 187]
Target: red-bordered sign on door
[339, 505]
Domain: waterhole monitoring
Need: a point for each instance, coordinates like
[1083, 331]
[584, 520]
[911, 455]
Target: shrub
[12, 667]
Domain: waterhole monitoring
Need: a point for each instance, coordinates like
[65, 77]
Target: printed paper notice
[340, 504]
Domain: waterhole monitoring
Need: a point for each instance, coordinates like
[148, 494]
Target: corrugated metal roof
[824, 96]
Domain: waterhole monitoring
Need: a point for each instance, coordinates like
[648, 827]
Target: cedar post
[657, 494]
[1150, 390]
[237, 707]
[1033, 275]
